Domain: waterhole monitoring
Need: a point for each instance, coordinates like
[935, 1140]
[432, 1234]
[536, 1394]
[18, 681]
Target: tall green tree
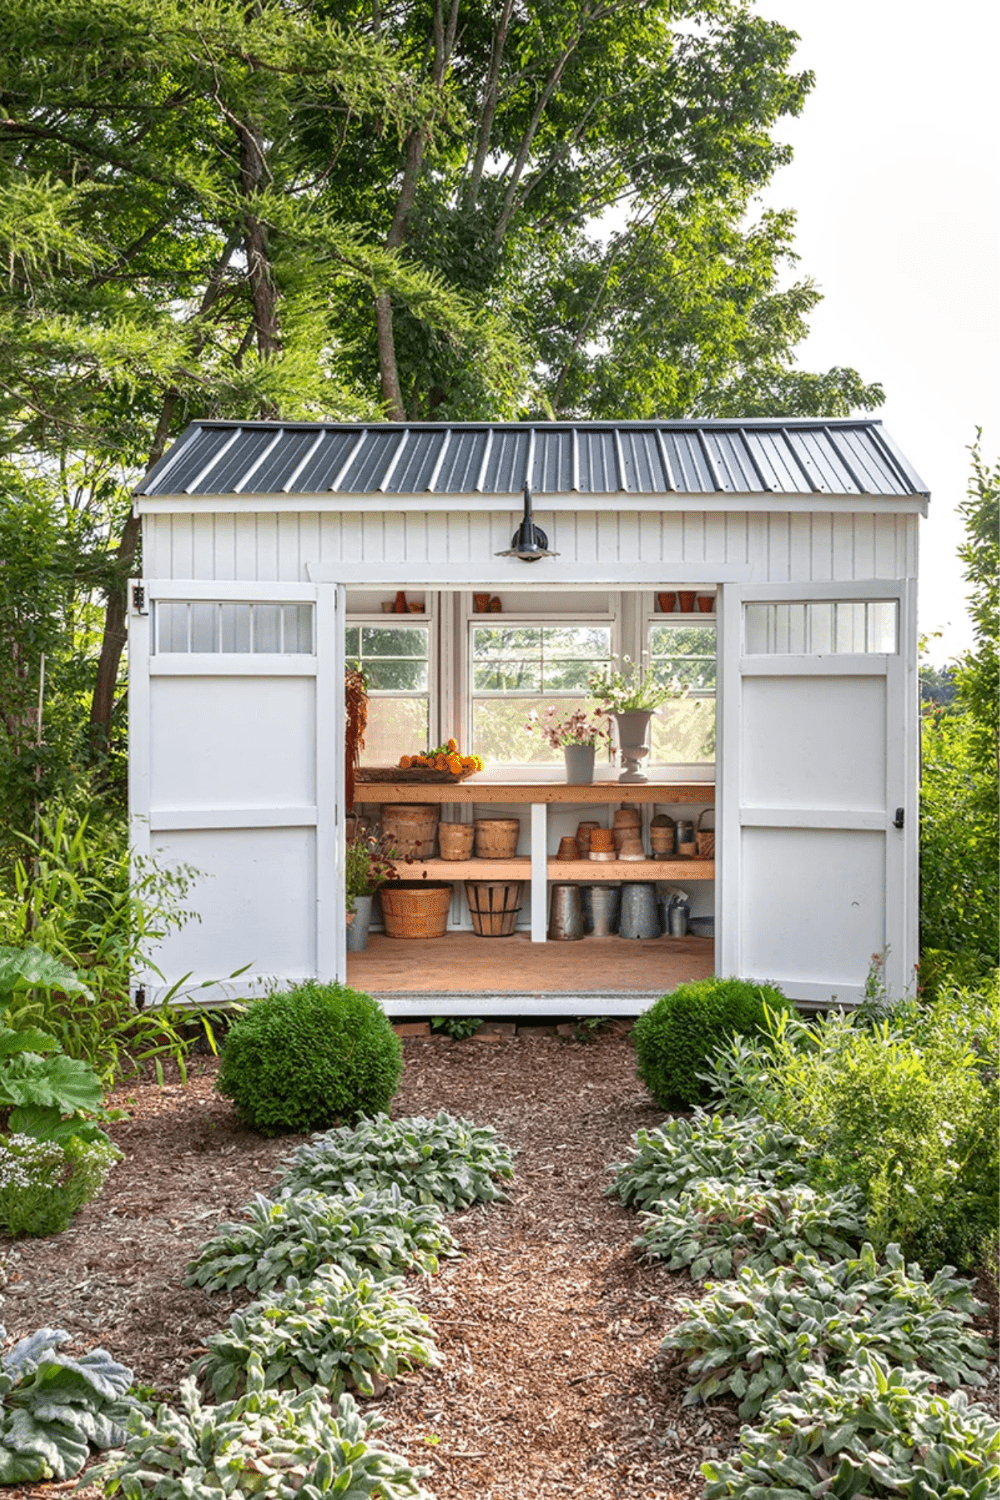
[413, 208]
[960, 789]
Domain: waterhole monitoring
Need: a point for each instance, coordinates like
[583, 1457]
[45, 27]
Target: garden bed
[554, 1383]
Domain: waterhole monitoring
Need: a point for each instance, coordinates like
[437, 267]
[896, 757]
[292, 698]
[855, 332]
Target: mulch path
[553, 1383]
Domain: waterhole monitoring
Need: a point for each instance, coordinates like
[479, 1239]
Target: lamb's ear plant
[715, 1228]
[379, 1232]
[666, 1161]
[871, 1430]
[55, 1409]
[446, 1161]
[765, 1332]
[271, 1445]
[330, 1333]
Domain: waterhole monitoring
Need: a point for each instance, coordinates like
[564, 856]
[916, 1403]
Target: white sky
[895, 183]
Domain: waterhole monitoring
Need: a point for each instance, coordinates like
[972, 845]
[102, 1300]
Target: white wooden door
[818, 787]
[236, 756]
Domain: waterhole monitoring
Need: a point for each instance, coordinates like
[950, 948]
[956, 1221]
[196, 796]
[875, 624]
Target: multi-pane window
[520, 667]
[826, 627]
[396, 664]
[683, 730]
[196, 627]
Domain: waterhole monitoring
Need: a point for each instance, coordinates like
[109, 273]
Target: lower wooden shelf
[570, 871]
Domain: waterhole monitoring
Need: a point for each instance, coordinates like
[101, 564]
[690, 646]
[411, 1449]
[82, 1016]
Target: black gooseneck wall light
[529, 541]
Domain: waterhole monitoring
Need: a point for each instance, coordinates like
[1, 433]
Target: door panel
[813, 760]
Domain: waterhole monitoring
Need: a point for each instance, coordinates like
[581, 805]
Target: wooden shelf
[466, 793]
[570, 871]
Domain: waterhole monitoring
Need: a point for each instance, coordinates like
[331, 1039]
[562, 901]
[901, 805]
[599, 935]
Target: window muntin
[197, 627]
[517, 668]
[823, 627]
[682, 732]
[396, 662]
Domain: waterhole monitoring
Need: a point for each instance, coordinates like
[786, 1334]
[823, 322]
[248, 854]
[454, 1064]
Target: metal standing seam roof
[736, 457]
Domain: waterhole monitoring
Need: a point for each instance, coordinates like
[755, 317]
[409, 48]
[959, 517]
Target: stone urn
[632, 729]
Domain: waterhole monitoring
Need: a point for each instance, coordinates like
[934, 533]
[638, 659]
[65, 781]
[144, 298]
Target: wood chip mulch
[553, 1383]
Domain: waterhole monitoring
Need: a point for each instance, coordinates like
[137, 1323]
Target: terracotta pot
[666, 602]
[706, 603]
[400, 605]
[687, 597]
[481, 603]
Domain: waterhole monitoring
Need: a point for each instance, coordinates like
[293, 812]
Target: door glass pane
[882, 626]
[235, 622]
[822, 626]
[171, 626]
[204, 627]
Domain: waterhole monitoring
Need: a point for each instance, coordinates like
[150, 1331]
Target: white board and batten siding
[237, 755]
[766, 547]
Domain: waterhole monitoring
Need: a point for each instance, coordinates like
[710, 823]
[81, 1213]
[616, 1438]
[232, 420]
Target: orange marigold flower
[405, 762]
[454, 764]
[452, 746]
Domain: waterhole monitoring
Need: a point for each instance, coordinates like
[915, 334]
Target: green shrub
[309, 1058]
[325, 1334]
[871, 1430]
[677, 1036]
[670, 1159]
[44, 1183]
[445, 1161]
[271, 1445]
[54, 1408]
[714, 1228]
[380, 1232]
[766, 1331]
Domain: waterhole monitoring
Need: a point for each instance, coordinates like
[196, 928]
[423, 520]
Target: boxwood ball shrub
[309, 1058]
[674, 1039]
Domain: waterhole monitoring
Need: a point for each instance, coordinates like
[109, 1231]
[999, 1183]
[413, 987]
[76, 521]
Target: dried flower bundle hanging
[356, 722]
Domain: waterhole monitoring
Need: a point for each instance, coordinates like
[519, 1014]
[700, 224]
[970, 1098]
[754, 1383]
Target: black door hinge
[139, 598]
[898, 819]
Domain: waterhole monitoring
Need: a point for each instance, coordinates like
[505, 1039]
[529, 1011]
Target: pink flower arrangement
[573, 727]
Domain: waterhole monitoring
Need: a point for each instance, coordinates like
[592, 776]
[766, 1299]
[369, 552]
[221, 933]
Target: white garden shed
[271, 553]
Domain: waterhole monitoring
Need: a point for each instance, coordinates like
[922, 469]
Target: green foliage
[457, 1027]
[309, 1057]
[43, 1183]
[86, 903]
[446, 1161]
[878, 1432]
[872, 1430]
[374, 1231]
[326, 1334]
[715, 1228]
[906, 1109]
[268, 1444]
[765, 1332]
[676, 1037]
[730, 1148]
[54, 1409]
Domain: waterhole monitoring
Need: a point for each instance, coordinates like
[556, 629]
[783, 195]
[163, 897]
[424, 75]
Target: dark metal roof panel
[751, 457]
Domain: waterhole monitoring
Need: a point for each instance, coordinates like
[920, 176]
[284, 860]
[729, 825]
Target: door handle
[897, 821]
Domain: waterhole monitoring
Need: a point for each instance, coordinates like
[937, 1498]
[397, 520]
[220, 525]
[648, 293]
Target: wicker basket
[455, 840]
[416, 908]
[424, 775]
[410, 828]
[705, 839]
[493, 906]
[496, 838]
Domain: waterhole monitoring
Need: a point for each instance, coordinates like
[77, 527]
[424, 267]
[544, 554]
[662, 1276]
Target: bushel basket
[705, 839]
[493, 906]
[416, 908]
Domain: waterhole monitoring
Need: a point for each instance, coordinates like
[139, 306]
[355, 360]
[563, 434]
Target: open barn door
[818, 788]
[236, 746]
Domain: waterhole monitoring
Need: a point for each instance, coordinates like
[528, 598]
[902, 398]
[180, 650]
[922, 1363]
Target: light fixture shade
[529, 541]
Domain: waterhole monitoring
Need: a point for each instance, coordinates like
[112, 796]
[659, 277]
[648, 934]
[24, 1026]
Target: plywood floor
[462, 962]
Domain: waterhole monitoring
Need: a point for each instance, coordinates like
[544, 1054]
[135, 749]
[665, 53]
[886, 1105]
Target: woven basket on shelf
[496, 838]
[411, 828]
[418, 774]
[705, 839]
[455, 840]
[416, 908]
